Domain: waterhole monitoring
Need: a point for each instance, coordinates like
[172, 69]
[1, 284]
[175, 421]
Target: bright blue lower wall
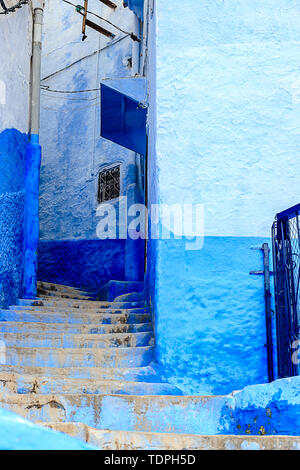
[12, 171]
[87, 264]
[210, 323]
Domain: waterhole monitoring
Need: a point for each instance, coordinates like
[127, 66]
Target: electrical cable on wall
[85, 57]
[47, 88]
[11, 9]
[81, 10]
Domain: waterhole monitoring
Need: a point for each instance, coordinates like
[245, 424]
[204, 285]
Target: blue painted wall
[137, 6]
[210, 323]
[73, 151]
[225, 135]
[86, 264]
[12, 171]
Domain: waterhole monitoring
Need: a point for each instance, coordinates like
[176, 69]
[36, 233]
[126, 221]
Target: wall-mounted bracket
[109, 4]
[84, 13]
[259, 273]
[85, 22]
[100, 30]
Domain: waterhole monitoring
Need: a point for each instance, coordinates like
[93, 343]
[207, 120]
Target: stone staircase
[85, 367]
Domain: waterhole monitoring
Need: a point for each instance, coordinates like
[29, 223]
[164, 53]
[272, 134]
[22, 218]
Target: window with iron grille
[109, 184]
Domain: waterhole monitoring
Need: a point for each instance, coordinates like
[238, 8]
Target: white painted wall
[15, 56]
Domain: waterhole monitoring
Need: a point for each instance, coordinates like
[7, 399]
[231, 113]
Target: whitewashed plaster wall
[15, 56]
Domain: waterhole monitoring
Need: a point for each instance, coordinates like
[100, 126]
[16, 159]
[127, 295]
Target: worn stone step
[62, 340]
[64, 309]
[62, 289]
[168, 414]
[70, 317]
[57, 287]
[15, 383]
[131, 374]
[75, 357]
[113, 289]
[132, 297]
[124, 440]
[69, 292]
[65, 295]
[49, 328]
[51, 302]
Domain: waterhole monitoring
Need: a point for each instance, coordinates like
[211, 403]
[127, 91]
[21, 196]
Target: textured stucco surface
[228, 110]
[87, 264]
[269, 409]
[210, 322]
[227, 136]
[15, 39]
[12, 169]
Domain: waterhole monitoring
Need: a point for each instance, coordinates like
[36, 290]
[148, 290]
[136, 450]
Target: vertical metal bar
[297, 292]
[146, 204]
[36, 71]
[285, 320]
[292, 298]
[266, 254]
[276, 278]
[33, 162]
[84, 20]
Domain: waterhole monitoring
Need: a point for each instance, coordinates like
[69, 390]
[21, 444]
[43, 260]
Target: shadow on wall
[12, 173]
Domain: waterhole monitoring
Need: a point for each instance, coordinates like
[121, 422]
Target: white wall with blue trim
[73, 151]
[227, 136]
[15, 39]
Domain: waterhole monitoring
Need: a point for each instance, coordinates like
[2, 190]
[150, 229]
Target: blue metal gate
[286, 261]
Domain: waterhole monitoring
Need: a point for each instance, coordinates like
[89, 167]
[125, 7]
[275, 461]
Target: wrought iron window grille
[109, 184]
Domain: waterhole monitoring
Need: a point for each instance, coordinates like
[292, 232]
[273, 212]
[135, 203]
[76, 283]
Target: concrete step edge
[77, 318]
[52, 285]
[140, 372]
[61, 327]
[13, 383]
[89, 336]
[113, 351]
[66, 309]
[129, 440]
[77, 341]
[62, 301]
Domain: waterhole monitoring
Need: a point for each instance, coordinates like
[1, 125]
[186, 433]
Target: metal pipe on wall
[36, 71]
[33, 163]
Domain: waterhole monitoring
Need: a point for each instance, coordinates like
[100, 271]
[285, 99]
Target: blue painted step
[113, 289]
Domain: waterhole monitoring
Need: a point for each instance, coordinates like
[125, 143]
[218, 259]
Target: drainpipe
[33, 162]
